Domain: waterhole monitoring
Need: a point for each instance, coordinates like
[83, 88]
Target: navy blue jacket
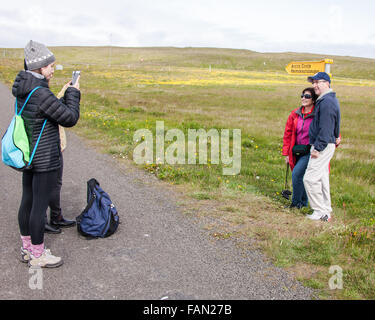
[325, 127]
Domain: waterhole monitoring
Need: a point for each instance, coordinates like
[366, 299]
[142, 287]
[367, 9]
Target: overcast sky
[338, 27]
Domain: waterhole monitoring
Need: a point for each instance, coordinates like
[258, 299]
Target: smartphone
[75, 76]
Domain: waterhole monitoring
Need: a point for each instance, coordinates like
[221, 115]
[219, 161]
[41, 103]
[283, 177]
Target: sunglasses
[306, 96]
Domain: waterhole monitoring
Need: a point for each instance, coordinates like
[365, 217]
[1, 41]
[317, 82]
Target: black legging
[54, 202]
[36, 193]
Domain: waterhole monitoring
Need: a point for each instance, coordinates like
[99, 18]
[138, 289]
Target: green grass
[145, 85]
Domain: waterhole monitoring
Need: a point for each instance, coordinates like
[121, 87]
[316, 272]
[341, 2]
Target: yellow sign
[309, 67]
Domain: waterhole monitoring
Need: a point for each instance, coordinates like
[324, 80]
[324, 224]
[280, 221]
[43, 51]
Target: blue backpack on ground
[100, 218]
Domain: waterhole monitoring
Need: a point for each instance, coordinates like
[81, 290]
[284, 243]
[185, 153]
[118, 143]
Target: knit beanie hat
[37, 55]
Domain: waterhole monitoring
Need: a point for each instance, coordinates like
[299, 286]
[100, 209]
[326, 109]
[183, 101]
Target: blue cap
[320, 76]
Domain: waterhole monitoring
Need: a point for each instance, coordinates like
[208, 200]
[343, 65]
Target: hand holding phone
[75, 77]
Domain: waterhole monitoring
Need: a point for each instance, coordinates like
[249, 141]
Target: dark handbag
[301, 149]
[100, 218]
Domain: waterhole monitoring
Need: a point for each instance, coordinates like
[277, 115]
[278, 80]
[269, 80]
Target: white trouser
[316, 180]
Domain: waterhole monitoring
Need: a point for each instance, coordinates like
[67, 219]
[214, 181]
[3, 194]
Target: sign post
[309, 67]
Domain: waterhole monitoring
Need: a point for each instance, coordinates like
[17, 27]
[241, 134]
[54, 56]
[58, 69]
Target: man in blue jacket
[324, 130]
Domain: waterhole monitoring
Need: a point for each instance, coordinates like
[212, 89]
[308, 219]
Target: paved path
[157, 251]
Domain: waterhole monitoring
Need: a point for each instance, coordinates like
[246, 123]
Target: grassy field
[125, 89]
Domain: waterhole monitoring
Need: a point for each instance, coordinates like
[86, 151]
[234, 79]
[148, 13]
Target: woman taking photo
[39, 180]
[296, 147]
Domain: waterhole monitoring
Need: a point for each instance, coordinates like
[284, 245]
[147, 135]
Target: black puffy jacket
[42, 105]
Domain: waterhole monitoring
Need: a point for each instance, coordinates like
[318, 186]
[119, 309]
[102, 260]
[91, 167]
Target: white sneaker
[46, 260]
[25, 255]
[315, 216]
[326, 217]
[318, 216]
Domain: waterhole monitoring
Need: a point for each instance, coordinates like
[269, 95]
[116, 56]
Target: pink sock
[37, 250]
[26, 242]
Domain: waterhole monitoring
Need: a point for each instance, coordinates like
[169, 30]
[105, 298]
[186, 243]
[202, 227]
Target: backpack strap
[37, 142]
[27, 99]
[91, 184]
[91, 196]
[44, 124]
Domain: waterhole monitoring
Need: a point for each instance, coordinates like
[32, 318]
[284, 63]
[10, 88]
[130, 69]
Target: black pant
[36, 193]
[54, 202]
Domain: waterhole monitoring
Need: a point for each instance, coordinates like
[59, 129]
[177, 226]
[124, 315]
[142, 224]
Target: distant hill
[347, 67]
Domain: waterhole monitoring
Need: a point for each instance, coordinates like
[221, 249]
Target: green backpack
[15, 147]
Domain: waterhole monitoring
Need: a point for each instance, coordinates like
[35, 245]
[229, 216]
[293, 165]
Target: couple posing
[312, 133]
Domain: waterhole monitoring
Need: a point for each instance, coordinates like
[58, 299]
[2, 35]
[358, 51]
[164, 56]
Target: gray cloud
[266, 26]
[81, 20]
